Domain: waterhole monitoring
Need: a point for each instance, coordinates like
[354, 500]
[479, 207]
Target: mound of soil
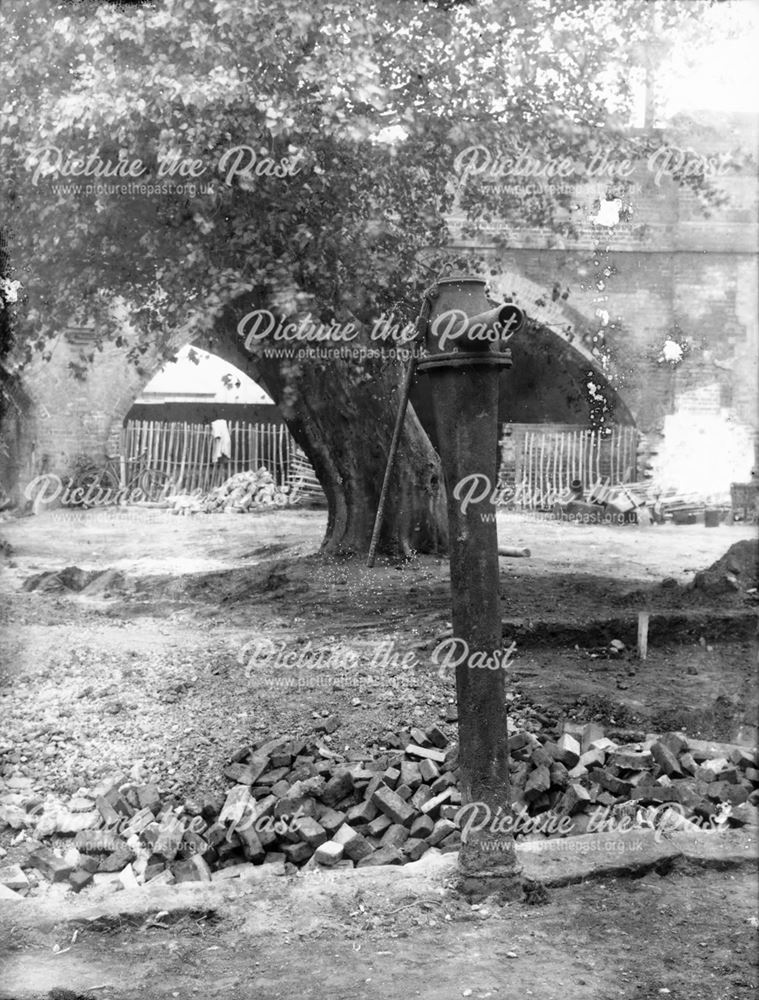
[736, 570]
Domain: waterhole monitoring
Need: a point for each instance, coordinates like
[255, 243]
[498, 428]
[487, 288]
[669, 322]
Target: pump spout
[496, 326]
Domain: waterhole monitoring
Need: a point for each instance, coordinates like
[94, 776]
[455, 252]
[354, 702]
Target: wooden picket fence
[183, 451]
[546, 462]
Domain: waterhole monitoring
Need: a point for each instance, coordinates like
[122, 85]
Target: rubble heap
[245, 491]
[298, 804]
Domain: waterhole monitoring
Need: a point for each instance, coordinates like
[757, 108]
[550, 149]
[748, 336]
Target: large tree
[322, 138]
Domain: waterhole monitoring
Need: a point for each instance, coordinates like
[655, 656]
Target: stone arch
[225, 346]
[67, 416]
[554, 315]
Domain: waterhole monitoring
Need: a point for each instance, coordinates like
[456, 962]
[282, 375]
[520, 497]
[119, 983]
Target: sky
[187, 377]
[721, 75]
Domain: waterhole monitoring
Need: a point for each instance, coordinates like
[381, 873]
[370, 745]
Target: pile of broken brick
[297, 804]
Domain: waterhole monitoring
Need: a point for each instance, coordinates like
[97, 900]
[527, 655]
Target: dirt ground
[150, 669]
[686, 936]
[155, 670]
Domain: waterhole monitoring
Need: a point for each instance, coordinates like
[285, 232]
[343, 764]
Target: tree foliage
[300, 82]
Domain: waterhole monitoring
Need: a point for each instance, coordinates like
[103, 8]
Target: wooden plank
[528, 449]
[169, 467]
[168, 437]
[148, 450]
[158, 445]
[633, 461]
[571, 457]
[190, 449]
[543, 473]
[194, 452]
[182, 451]
[204, 457]
[164, 442]
[518, 460]
[642, 635]
[599, 439]
[552, 463]
[202, 468]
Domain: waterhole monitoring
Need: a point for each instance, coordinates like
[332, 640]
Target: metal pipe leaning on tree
[397, 430]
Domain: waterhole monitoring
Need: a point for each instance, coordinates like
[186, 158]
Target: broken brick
[355, 845]
[51, 866]
[569, 750]
[391, 777]
[395, 835]
[193, 870]
[327, 725]
[631, 760]
[384, 856]
[431, 805]
[676, 743]
[338, 786]
[311, 831]
[330, 819]
[297, 853]
[329, 853]
[438, 756]
[411, 774]
[237, 802]
[422, 827]
[539, 781]
[12, 877]
[558, 774]
[148, 797]
[666, 759]
[437, 737]
[414, 848]
[118, 860]
[79, 879]
[610, 782]
[442, 829]
[429, 771]
[419, 737]
[392, 805]
[421, 795]
[574, 798]
[378, 826]
[107, 811]
[364, 812]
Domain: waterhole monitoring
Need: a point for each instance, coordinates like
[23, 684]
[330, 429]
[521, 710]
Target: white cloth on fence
[222, 443]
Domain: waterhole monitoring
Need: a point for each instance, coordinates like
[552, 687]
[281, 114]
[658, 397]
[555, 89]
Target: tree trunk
[345, 431]
[342, 413]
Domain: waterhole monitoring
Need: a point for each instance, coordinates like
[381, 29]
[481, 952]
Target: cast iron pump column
[465, 355]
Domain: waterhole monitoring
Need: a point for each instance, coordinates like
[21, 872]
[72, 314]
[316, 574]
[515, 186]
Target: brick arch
[563, 321]
[556, 319]
[226, 346]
